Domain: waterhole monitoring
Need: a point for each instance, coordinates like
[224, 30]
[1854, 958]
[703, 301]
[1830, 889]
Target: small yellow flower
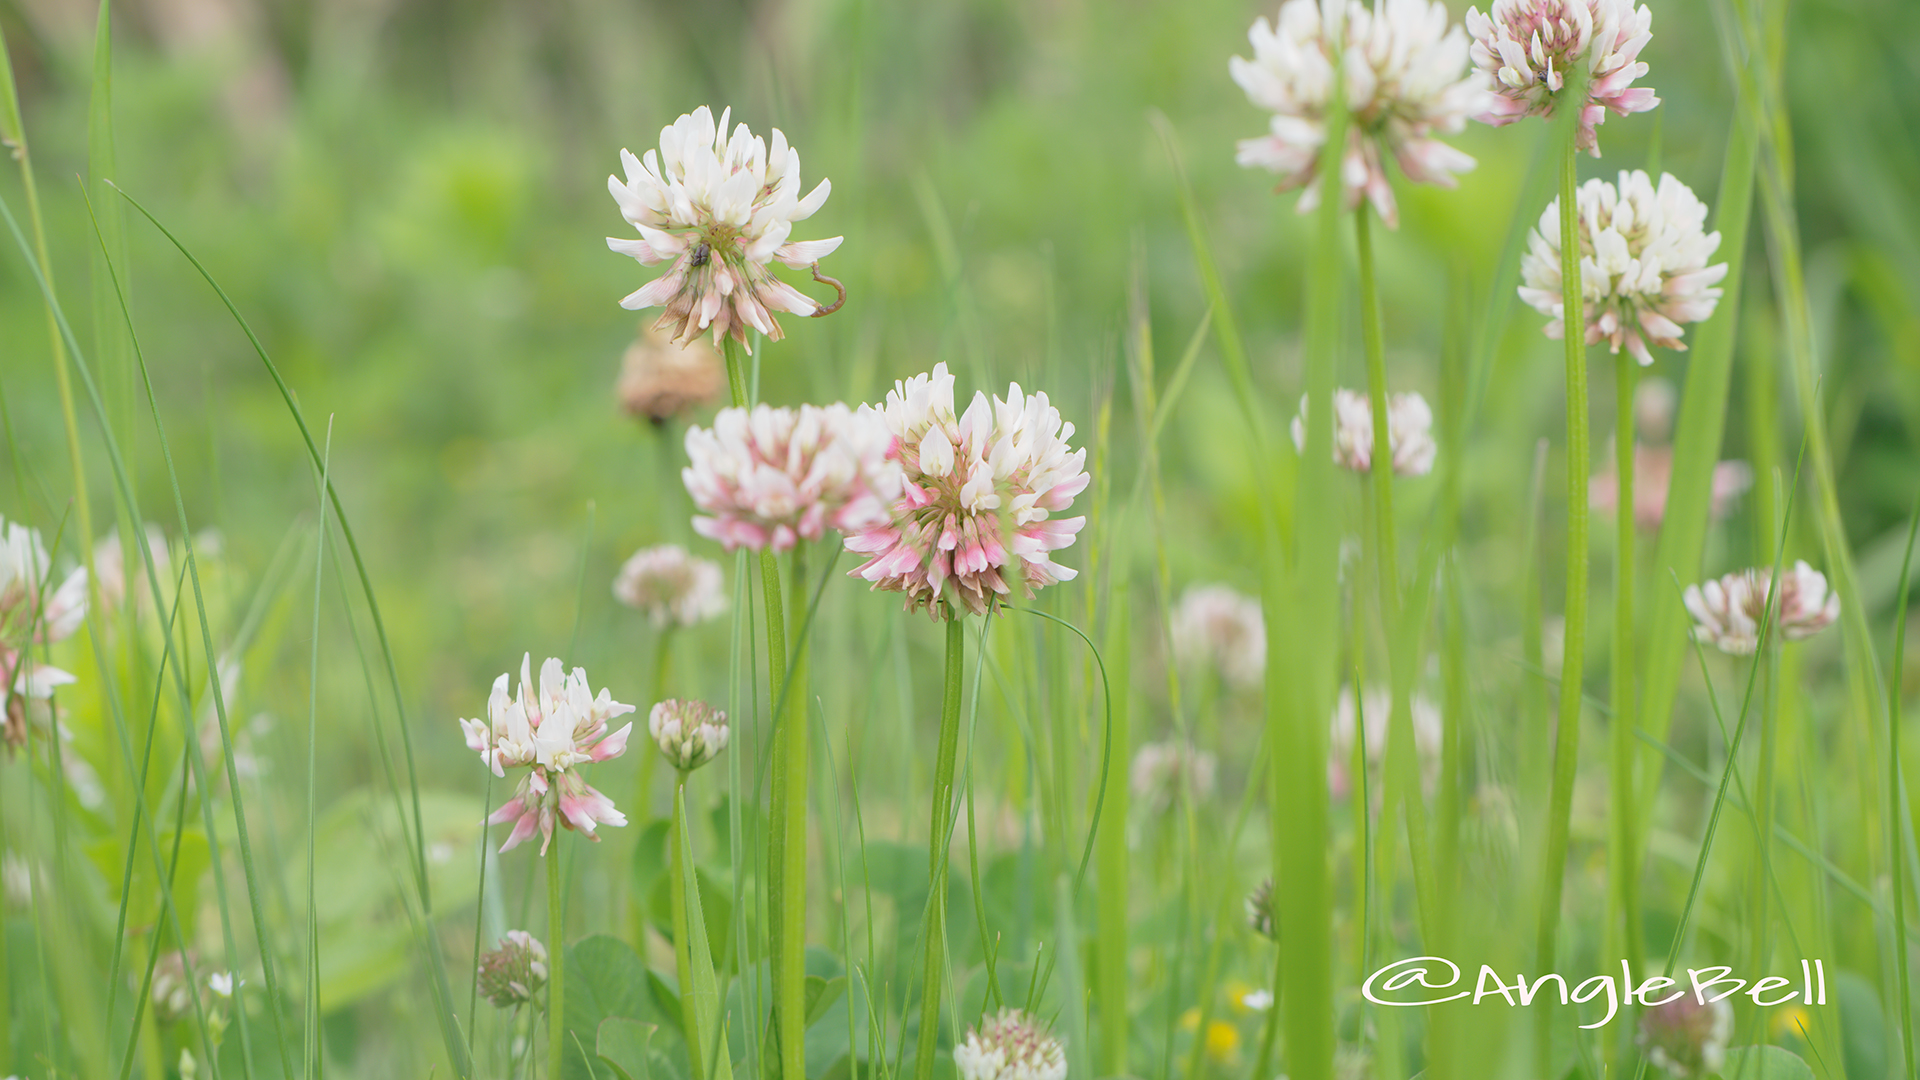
[1190, 1020]
[1223, 1042]
[1794, 1021]
[1237, 992]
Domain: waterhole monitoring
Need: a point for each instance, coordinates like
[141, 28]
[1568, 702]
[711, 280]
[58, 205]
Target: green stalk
[1567, 745]
[935, 930]
[1897, 813]
[682, 955]
[1625, 860]
[790, 812]
[556, 968]
[1373, 337]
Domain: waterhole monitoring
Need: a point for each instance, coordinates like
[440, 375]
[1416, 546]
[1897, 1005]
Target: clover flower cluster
[1643, 264]
[721, 209]
[1525, 48]
[689, 733]
[1407, 81]
[1010, 1045]
[1409, 432]
[974, 521]
[670, 586]
[1685, 1037]
[513, 971]
[1375, 709]
[770, 477]
[32, 612]
[551, 733]
[1159, 769]
[1727, 611]
[1214, 626]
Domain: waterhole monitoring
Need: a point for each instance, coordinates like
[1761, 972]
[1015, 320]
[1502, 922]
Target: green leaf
[1764, 1063]
[605, 978]
[821, 994]
[622, 1043]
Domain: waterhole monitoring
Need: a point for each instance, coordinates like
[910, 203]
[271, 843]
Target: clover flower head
[1524, 49]
[1409, 432]
[1727, 611]
[974, 521]
[671, 586]
[1156, 774]
[513, 971]
[1685, 1037]
[1375, 708]
[721, 209]
[1643, 264]
[550, 731]
[1653, 475]
[32, 611]
[1219, 627]
[770, 477]
[1259, 910]
[1010, 1045]
[659, 381]
[1407, 81]
[171, 991]
[689, 733]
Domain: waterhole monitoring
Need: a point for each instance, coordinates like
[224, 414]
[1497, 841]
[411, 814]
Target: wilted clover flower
[671, 586]
[658, 381]
[1685, 1037]
[1524, 49]
[975, 520]
[773, 476]
[1643, 264]
[1214, 625]
[31, 612]
[562, 726]
[1009, 1045]
[721, 208]
[1259, 907]
[1727, 611]
[512, 972]
[1409, 432]
[1406, 81]
[1155, 777]
[690, 733]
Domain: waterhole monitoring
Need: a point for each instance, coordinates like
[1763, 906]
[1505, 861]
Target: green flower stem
[682, 953]
[1622, 695]
[556, 967]
[1373, 337]
[790, 816]
[936, 926]
[1566, 750]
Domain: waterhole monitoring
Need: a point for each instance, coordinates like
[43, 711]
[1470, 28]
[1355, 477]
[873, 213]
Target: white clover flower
[1685, 1037]
[1214, 625]
[1376, 707]
[671, 586]
[170, 990]
[550, 732]
[1409, 432]
[1727, 611]
[974, 521]
[1643, 264]
[1653, 475]
[771, 477]
[1407, 80]
[689, 733]
[513, 971]
[31, 612]
[112, 566]
[1010, 1045]
[721, 209]
[1524, 49]
[1155, 776]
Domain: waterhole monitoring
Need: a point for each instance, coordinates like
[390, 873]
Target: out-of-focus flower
[1654, 401]
[671, 586]
[721, 209]
[773, 476]
[1257, 1000]
[1214, 625]
[171, 990]
[1259, 908]
[31, 612]
[513, 971]
[1409, 432]
[1493, 828]
[551, 732]
[1156, 774]
[690, 733]
[1221, 1043]
[16, 876]
[975, 519]
[112, 566]
[1010, 1045]
[1685, 1037]
[1727, 611]
[221, 983]
[1652, 474]
[1524, 49]
[1376, 707]
[658, 381]
[1643, 264]
[1407, 80]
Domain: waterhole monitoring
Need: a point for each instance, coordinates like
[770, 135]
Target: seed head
[1260, 910]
